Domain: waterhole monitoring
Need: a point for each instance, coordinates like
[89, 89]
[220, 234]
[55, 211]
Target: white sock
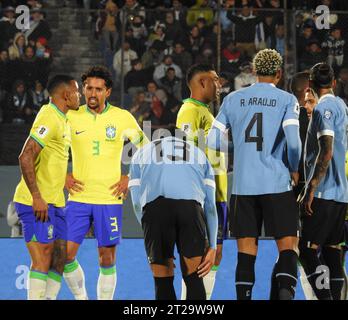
[75, 279]
[208, 281]
[306, 286]
[36, 285]
[54, 283]
[106, 283]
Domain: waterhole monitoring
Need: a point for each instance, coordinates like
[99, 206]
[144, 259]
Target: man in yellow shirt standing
[39, 197]
[195, 119]
[96, 184]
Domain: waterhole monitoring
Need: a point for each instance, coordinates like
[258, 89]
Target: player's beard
[93, 106]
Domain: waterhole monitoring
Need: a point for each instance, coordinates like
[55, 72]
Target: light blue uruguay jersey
[329, 118]
[174, 169]
[265, 131]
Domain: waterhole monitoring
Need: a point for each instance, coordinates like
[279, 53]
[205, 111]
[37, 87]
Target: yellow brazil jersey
[52, 131]
[96, 145]
[195, 117]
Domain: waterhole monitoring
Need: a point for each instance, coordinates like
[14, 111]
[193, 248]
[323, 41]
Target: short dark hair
[100, 72]
[198, 68]
[321, 75]
[58, 80]
[298, 82]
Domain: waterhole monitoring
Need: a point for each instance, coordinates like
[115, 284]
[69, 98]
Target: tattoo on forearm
[27, 164]
[323, 160]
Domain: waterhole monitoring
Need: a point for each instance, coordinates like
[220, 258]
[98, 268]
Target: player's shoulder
[48, 113]
[73, 113]
[119, 112]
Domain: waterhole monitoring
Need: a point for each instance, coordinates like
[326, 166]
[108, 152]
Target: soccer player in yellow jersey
[195, 118]
[39, 197]
[96, 184]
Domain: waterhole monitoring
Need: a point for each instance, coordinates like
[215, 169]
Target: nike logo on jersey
[113, 238]
[78, 132]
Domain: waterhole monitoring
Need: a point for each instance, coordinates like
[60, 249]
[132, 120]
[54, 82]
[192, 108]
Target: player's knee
[107, 259]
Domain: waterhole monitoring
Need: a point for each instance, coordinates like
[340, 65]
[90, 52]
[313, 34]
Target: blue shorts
[222, 235]
[42, 232]
[107, 222]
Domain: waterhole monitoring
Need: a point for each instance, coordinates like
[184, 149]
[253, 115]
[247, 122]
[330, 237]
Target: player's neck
[199, 98]
[323, 92]
[271, 80]
[98, 110]
[60, 105]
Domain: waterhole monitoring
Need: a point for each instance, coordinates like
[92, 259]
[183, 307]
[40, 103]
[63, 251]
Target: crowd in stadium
[159, 40]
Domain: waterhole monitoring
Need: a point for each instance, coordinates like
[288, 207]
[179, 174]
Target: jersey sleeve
[43, 129]
[133, 132]
[324, 119]
[134, 185]
[292, 113]
[210, 205]
[188, 121]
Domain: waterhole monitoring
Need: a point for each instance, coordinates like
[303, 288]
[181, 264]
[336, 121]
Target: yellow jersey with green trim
[193, 118]
[96, 146]
[51, 131]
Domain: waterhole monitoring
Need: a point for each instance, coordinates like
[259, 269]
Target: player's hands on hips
[295, 177]
[207, 263]
[73, 185]
[120, 189]
[307, 200]
[40, 207]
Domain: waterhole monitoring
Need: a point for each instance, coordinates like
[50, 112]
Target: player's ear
[202, 83]
[108, 92]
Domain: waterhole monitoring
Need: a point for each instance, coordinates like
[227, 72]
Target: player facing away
[173, 192]
[39, 197]
[96, 185]
[267, 150]
[195, 119]
[326, 194]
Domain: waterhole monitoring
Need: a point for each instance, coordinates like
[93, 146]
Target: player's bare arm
[321, 166]
[207, 263]
[27, 160]
[73, 185]
[121, 187]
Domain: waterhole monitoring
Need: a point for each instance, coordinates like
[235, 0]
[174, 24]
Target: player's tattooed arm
[27, 160]
[323, 160]
[321, 166]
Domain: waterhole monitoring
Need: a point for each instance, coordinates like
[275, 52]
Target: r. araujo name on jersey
[97, 145]
[257, 115]
[51, 131]
[329, 118]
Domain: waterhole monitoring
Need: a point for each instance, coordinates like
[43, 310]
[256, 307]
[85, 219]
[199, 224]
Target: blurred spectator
[225, 22]
[171, 84]
[181, 57]
[140, 108]
[34, 4]
[131, 9]
[136, 79]
[206, 56]
[153, 56]
[173, 29]
[246, 76]
[139, 28]
[161, 69]
[4, 73]
[106, 26]
[200, 10]
[158, 33]
[19, 107]
[269, 26]
[38, 27]
[16, 50]
[39, 95]
[195, 41]
[168, 119]
[277, 41]
[311, 56]
[180, 12]
[157, 99]
[334, 45]
[7, 26]
[204, 30]
[231, 58]
[42, 50]
[304, 39]
[128, 56]
[341, 89]
[260, 37]
[226, 85]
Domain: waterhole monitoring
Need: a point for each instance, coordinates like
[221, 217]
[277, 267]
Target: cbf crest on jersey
[110, 132]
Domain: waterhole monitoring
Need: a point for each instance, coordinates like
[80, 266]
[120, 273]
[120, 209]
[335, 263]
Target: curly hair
[267, 62]
[100, 72]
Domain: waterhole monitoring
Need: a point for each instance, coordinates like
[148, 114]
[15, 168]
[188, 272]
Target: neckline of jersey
[61, 113]
[197, 102]
[325, 96]
[268, 83]
[108, 105]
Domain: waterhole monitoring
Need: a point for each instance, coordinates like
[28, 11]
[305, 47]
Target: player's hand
[40, 208]
[73, 185]
[207, 263]
[307, 200]
[120, 189]
[295, 178]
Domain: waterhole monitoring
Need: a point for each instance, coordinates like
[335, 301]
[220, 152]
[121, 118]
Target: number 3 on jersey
[258, 139]
[96, 148]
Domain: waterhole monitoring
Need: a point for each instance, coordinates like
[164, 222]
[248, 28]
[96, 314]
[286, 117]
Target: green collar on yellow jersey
[61, 113]
[108, 105]
[197, 102]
